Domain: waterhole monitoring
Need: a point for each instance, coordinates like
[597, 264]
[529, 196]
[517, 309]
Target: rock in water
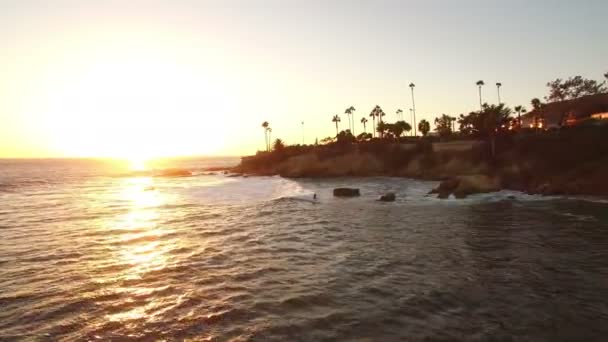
[476, 184]
[446, 188]
[346, 192]
[388, 197]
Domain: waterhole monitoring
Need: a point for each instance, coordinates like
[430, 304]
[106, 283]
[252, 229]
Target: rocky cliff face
[572, 162]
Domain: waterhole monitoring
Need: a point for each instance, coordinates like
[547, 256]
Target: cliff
[568, 161]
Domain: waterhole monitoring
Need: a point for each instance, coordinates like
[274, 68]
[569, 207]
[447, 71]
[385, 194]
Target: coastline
[564, 163]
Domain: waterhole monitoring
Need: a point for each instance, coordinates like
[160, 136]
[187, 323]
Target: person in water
[314, 196]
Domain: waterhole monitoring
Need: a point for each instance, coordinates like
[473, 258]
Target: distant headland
[559, 147]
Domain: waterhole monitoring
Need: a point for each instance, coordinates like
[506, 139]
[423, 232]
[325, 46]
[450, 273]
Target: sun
[137, 108]
[137, 164]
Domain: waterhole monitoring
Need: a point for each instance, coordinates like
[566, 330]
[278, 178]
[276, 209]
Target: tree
[399, 113]
[373, 114]
[393, 130]
[480, 84]
[364, 122]
[364, 136]
[336, 119]
[519, 110]
[278, 145]
[443, 125]
[265, 127]
[412, 86]
[424, 127]
[379, 114]
[538, 111]
[498, 85]
[486, 123]
[573, 88]
[401, 127]
[269, 131]
[327, 140]
[345, 137]
[350, 113]
[381, 127]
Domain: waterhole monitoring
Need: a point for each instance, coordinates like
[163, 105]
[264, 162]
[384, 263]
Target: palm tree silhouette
[424, 127]
[350, 111]
[336, 119]
[519, 110]
[373, 114]
[347, 112]
[265, 127]
[498, 85]
[412, 117]
[380, 113]
[412, 86]
[364, 121]
[538, 108]
[399, 113]
[269, 136]
[480, 84]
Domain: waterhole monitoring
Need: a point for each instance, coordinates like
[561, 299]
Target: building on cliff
[567, 113]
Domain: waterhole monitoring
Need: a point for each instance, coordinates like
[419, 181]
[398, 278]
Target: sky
[143, 79]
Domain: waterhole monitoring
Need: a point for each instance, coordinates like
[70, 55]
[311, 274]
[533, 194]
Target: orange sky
[158, 78]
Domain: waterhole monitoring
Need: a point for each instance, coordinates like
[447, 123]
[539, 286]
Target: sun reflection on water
[140, 245]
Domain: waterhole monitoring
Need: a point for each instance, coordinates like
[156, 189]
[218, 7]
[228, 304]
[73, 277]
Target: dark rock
[388, 197]
[446, 188]
[460, 194]
[448, 185]
[234, 175]
[346, 192]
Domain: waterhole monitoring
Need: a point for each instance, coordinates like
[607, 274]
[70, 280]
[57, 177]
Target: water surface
[90, 253]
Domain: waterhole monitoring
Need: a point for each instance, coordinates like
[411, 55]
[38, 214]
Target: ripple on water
[167, 264]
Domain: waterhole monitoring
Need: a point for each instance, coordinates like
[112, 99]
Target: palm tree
[519, 110]
[336, 119]
[265, 127]
[498, 85]
[373, 114]
[347, 112]
[380, 113]
[480, 84]
[364, 121]
[412, 117]
[412, 86]
[350, 111]
[538, 107]
[424, 127]
[269, 130]
[399, 113]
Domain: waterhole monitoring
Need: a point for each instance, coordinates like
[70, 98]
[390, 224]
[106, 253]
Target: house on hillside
[566, 113]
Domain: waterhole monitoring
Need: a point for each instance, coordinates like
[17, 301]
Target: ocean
[92, 251]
